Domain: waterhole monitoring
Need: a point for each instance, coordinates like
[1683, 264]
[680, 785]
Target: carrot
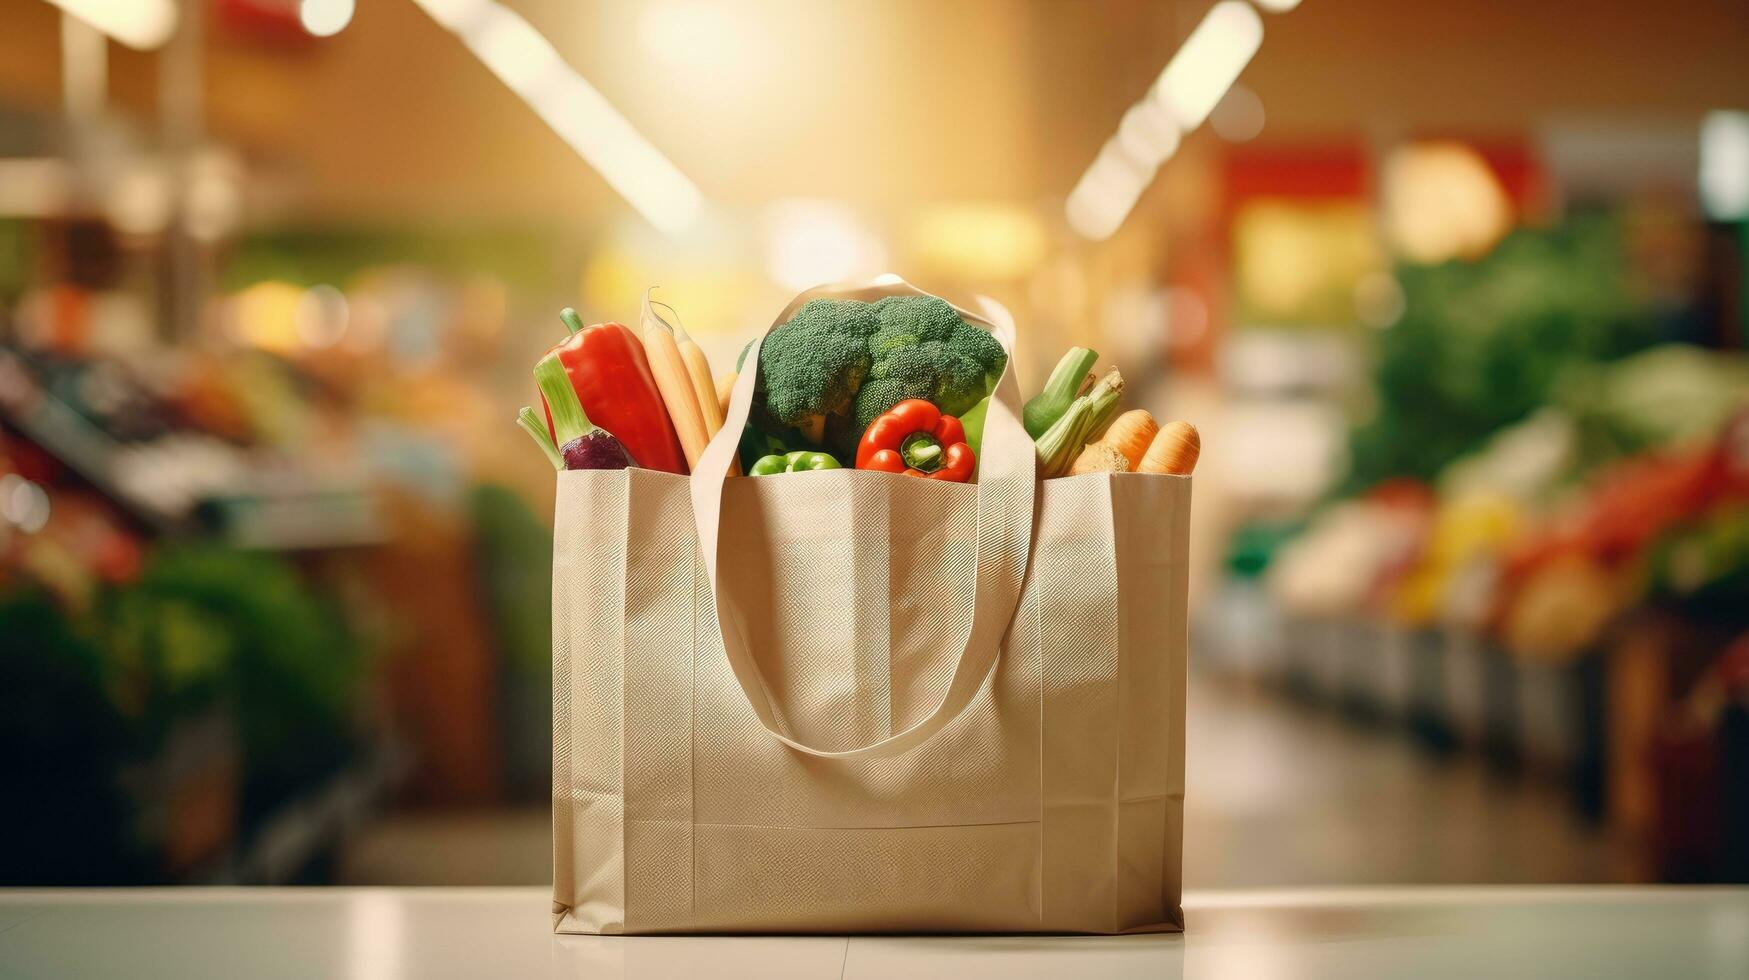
[675, 384]
[698, 371]
[1100, 457]
[1130, 434]
[725, 388]
[1174, 450]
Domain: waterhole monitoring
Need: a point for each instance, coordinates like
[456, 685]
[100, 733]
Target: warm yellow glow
[1302, 263]
[1277, 6]
[525, 61]
[1108, 190]
[809, 242]
[1209, 62]
[708, 42]
[141, 24]
[979, 240]
[1148, 133]
[1189, 88]
[1442, 202]
[712, 277]
[265, 315]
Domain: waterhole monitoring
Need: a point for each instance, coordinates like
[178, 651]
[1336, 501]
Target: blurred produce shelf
[179, 481]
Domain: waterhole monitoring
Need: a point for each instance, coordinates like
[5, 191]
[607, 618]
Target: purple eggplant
[597, 449]
[582, 445]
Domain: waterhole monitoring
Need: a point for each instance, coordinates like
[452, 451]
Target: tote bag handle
[1005, 513]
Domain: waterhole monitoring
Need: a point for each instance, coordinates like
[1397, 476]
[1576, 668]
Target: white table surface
[377, 934]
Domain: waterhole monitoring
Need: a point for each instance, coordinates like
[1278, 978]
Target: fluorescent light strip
[139, 24]
[1724, 165]
[1209, 62]
[1192, 84]
[525, 61]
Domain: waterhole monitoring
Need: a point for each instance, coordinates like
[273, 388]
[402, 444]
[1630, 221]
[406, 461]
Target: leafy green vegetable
[1669, 394]
[837, 364]
[287, 664]
[1062, 442]
[811, 367]
[923, 349]
[1073, 371]
[1480, 344]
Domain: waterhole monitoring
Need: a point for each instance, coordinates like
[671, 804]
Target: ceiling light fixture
[524, 60]
[140, 24]
[325, 18]
[1209, 62]
[1189, 88]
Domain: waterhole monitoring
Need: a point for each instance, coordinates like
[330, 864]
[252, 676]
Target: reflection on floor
[1277, 795]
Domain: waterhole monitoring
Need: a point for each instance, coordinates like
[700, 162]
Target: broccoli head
[839, 363]
[812, 367]
[921, 348]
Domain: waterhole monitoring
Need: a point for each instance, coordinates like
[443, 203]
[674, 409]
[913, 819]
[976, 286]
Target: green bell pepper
[799, 461]
[973, 422]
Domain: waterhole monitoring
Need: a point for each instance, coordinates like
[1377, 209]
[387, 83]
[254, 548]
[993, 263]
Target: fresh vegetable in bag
[1062, 442]
[581, 444]
[836, 365]
[916, 439]
[800, 461]
[611, 379]
[1174, 450]
[1068, 379]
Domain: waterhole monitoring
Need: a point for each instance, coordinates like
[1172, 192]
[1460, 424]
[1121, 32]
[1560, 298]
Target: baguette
[1174, 450]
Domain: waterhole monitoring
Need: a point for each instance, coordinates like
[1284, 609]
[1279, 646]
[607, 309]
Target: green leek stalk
[1104, 414]
[1062, 442]
[582, 444]
[537, 431]
[1065, 383]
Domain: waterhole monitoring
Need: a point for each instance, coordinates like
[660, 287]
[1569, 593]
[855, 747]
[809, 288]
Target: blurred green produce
[248, 625]
[1669, 395]
[94, 694]
[515, 552]
[1481, 344]
[526, 257]
[1704, 565]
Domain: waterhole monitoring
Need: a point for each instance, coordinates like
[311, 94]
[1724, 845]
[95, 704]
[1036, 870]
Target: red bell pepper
[915, 439]
[611, 376]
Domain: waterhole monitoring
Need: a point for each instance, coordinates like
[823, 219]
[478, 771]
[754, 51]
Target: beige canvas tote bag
[851, 701]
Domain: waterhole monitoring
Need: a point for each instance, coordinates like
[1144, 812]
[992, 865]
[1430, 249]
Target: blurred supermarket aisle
[1455, 294]
[1278, 795]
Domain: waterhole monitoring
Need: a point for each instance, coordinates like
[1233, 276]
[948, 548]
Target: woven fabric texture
[903, 706]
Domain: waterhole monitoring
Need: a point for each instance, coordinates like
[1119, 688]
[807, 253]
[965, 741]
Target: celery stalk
[1104, 414]
[1059, 392]
[1062, 442]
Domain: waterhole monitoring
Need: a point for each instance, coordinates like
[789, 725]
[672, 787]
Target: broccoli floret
[921, 348]
[839, 363]
[811, 367]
